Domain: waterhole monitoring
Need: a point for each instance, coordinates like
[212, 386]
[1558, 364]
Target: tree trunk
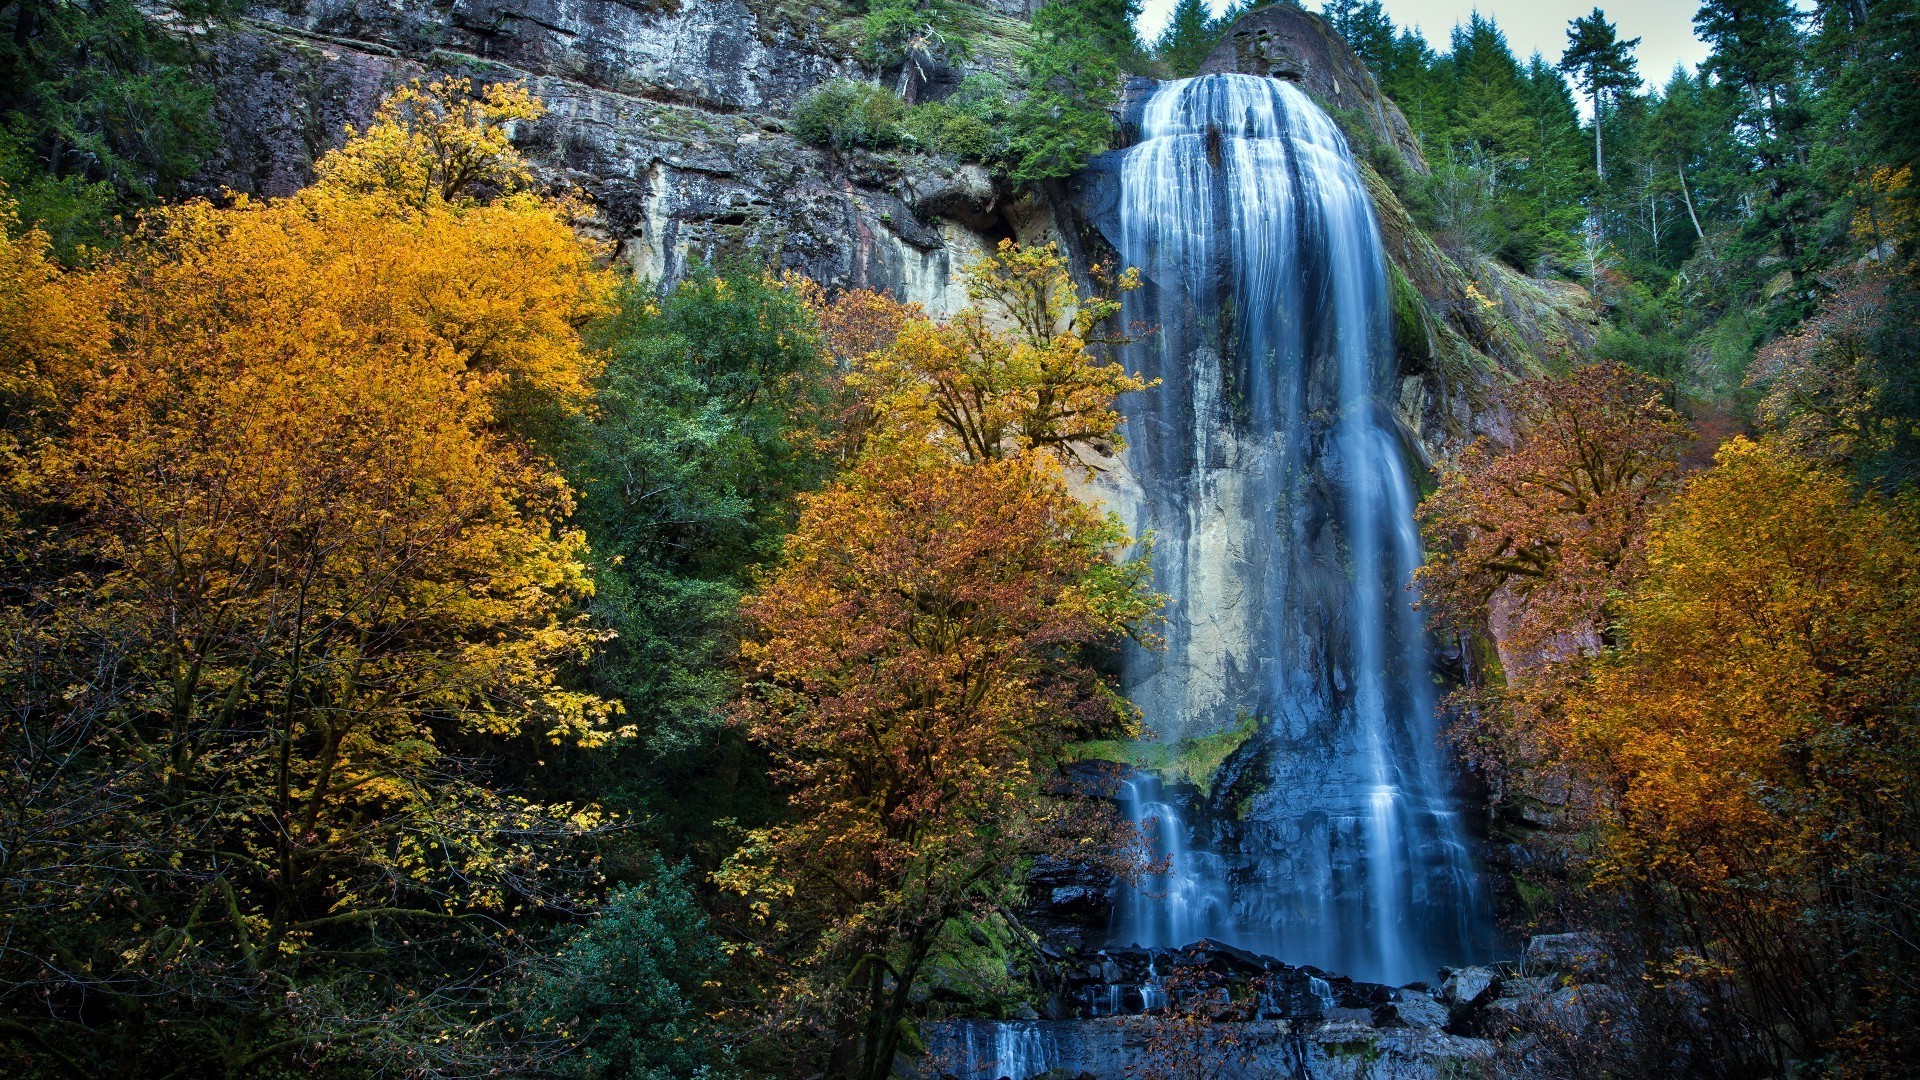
[1599, 159]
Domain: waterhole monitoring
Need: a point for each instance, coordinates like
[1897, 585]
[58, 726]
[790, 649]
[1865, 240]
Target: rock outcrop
[1284, 41]
[668, 116]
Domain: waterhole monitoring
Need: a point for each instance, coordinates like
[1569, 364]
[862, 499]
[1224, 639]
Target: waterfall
[992, 1050]
[1272, 472]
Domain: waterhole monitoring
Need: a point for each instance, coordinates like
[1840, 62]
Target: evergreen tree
[1603, 65]
[1554, 177]
[1367, 30]
[1756, 49]
[1072, 73]
[1189, 36]
[100, 112]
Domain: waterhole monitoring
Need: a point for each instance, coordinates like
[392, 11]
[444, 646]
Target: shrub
[847, 113]
[970, 125]
[623, 988]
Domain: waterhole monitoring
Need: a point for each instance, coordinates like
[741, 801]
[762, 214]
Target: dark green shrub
[970, 125]
[846, 113]
[624, 987]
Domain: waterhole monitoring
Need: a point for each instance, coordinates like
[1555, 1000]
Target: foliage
[902, 31]
[1190, 34]
[701, 435]
[439, 141]
[1554, 521]
[912, 672]
[1015, 371]
[100, 113]
[847, 113]
[1538, 539]
[1602, 65]
[623, 991]
[970, 124]
[920, 656]
[1071, 75]
[1756, 729]
[1194, 759]
[283, 564]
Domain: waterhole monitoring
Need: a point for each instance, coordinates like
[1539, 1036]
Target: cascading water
[1271, 472]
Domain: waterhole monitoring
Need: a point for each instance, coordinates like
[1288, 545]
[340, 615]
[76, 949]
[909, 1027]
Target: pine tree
[1190, 35]
[1603, 65]
[1367, 30]
[1756, 49]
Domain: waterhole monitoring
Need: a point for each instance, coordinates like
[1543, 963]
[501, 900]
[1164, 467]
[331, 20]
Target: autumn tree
[1533, 542]
[916, 663]
[1548, 526]
[922, 653]
[1019, 369]
[290, 566]
[1757, 729]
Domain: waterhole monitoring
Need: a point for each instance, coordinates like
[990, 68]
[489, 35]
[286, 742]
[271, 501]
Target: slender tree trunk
[1687, 197]
[1599, 158]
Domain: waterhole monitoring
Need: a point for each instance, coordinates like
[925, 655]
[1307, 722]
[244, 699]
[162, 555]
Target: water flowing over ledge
[1273, 476]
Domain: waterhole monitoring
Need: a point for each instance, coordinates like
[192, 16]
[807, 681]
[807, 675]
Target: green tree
[623, 993]
[100, 112]
[1604, 67]
[686, 472]
[1189, 36]
[1367, 30]
[1071, 75]
[1757, 46]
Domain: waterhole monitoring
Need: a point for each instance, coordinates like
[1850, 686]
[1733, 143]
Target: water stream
[1273, 473]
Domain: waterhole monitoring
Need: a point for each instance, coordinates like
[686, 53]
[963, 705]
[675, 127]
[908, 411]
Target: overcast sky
[1664, 27]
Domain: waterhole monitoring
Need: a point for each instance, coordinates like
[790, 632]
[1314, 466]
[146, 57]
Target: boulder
[1410, 1009]
[1469, 988]
[1284, 41]
[1579, 955]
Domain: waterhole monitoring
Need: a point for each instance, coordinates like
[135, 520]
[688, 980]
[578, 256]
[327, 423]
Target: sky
[1664, 27]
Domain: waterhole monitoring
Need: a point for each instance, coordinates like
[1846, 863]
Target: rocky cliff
[668, 116]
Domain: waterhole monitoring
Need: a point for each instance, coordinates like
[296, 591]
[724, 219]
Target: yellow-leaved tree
[1757, 731]
[924, 652]
[286, 563]
[1020, 369]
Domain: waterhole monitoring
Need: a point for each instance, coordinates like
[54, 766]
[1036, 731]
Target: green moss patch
[1194, 760]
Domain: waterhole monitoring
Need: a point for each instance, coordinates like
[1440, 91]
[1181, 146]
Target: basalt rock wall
[668, 116]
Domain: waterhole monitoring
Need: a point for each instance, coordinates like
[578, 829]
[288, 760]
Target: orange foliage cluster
[1713, 681]
[918, 659]
[278, 540]
[1758, 734]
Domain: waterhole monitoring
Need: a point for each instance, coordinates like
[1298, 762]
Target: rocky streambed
[1213, 1010]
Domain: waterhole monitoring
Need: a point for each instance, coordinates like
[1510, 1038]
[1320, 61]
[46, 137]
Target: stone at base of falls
[1113, 1049]
[1410, 1010]
[1582, 955]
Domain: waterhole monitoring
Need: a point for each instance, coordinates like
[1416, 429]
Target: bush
[895, 29]
[970, 125]
[847, 113]
[623, 987]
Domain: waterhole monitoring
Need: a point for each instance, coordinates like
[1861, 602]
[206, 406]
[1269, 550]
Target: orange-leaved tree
[288, 548]
[1533, 542]
[923, 652]
[1758, 732]
[917, 662]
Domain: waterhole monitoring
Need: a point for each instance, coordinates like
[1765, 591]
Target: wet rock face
[668, 116]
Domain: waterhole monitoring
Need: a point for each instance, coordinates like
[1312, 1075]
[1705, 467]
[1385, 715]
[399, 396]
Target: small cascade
[1190, 900]
[998, 1050]
[1273, 471]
